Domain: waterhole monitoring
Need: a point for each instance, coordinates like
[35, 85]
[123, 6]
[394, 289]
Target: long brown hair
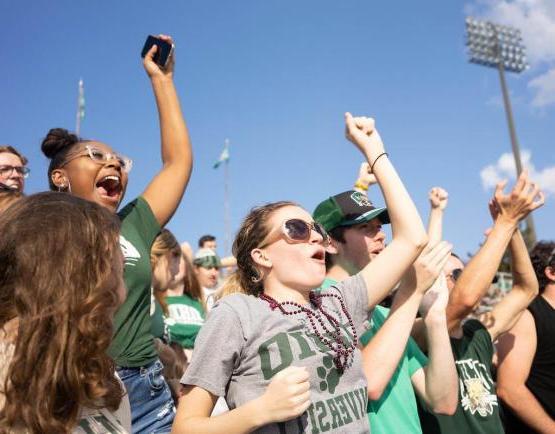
[60, 270]
[164, 243]
[252, 232]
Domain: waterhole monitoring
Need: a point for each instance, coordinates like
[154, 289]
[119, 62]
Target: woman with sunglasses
[92, 170]
[286, 357]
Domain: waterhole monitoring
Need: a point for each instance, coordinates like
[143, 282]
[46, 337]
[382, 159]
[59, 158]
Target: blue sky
[275, 77]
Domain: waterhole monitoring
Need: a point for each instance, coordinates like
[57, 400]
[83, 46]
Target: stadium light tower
[500, 47]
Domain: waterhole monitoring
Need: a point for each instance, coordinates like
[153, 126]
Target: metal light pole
[500, 47]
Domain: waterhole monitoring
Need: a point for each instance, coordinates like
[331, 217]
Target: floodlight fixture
[500, 47]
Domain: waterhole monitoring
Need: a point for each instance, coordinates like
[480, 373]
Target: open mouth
[110, 187]
[319, 255]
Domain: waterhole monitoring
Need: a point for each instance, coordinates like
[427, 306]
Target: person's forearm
[176, 146]
[479, 272]
[384, 351]
[405, 220]
[435, 226]
[241, 420]
[523, 272]
[525, 405]
[441, 375]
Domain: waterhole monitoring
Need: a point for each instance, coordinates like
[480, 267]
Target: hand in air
[438, 198]
[362, 132]
[287, 396]
[524, 198]
[427, 267]
[436, 298]
[365, 177]
[152, 69]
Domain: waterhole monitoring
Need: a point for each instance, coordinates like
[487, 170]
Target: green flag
[224, 156]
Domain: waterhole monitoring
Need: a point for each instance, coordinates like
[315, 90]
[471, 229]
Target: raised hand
[287, 396]
[436, 298]
[428, 266]
[365, 177]
[524, 198]
[362, 132]
[438, 198]
[152, 69]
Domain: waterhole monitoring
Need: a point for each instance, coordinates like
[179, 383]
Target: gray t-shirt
[244, 343]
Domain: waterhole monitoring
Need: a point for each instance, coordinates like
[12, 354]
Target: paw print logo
[328, 374]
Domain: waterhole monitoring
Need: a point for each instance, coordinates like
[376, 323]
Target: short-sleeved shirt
[186, 316]
[478, 410]
[133, 345]
[254, 343]
[396, 411]
[158, 327]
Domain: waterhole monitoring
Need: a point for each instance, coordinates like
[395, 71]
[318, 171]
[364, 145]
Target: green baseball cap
[207, 258]
[346, 209]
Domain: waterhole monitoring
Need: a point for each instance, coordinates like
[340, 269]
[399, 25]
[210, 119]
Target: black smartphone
[163, 52]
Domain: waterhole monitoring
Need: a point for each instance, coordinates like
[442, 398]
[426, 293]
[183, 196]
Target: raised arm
[438, 203]
[516, 350]
[383, 352]
[437, 383]
[286, 397]
[525, 287]
[165, 191]
[479, 272]
[365, 179]
[409, 236]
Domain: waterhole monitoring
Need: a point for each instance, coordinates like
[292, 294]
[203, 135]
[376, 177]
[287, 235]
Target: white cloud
[544, 86]
[505, 168]
[536, 20]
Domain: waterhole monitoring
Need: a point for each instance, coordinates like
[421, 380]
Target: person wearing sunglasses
[284, 355]
[472, 340]
[92, 170]
[13, 168]
[393, 363]
[525, 374]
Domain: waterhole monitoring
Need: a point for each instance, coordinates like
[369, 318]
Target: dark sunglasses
[297, 231]
[455, 274]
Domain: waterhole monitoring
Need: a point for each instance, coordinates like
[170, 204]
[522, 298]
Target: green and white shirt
[253, 343]
[478, 410]
[132, 344]
[185, 319]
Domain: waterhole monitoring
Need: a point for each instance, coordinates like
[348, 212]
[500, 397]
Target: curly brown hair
[252, 232]
[543, 256]
[60, 271]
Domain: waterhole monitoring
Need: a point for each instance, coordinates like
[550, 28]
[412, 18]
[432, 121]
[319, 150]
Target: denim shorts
[152, 406]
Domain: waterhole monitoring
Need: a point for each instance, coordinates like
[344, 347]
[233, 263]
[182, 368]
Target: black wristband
[376, 160]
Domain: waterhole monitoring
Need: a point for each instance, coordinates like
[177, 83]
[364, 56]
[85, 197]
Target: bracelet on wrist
[376, 160]
[360, 186]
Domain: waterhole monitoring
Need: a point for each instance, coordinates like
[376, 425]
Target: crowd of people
[317, 323]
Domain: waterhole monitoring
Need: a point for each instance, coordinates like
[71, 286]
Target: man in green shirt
[477, 409]
[393, 363]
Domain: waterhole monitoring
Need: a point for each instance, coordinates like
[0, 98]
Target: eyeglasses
[297, 231]
[7, 170]
[99, 156]
[455, 274]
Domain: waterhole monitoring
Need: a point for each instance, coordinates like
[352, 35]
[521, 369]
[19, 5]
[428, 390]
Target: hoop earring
[257, 279]
[65, 188]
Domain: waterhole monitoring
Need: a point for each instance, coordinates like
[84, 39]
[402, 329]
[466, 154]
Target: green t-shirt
[477, 410]
[396, 411]
[132, 345]
[186, 317]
